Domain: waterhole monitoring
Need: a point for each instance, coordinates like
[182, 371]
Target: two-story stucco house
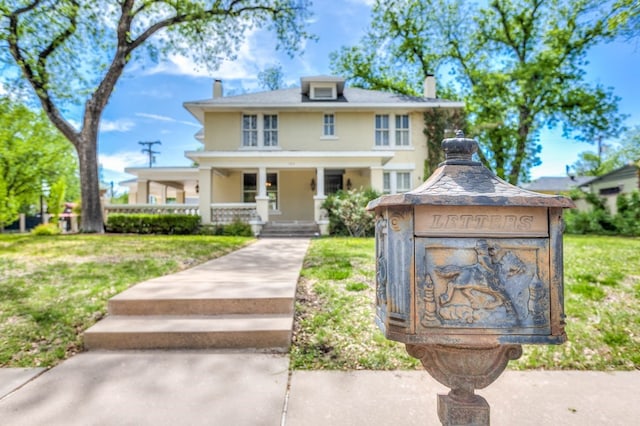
[283, 151]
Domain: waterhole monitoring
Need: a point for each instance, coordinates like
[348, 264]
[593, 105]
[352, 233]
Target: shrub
[46, 229]
[237, 229]
[348, 215]
[169, 224]
[599, 220]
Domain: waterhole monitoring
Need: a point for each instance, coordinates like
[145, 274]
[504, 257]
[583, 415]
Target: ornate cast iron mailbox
[468, 268]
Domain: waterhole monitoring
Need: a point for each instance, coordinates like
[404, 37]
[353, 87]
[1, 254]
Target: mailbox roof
[464, 183]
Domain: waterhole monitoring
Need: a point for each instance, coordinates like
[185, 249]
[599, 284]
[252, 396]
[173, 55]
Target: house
[275, 156]
[623, 180]
[556, 185]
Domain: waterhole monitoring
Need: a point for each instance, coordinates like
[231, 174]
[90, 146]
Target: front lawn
[334, 310]
[54, 288]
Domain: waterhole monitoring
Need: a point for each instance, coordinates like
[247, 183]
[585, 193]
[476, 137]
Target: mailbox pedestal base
[453, 412]
[464, 368]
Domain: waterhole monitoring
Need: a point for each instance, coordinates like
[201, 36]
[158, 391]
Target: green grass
[53, 288]
[335, 309]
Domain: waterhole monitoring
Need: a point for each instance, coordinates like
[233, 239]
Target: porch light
[313, 184]
[348, 184]
[197, 188]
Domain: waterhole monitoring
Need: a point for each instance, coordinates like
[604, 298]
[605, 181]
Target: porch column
[163, 194]
[377, 181]
[319, 215]
[142, 195]
[204, 180]
[180, 196]
[262, 200]
[320, 182]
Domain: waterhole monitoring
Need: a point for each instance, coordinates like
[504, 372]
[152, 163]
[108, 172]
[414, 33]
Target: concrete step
[259, 332]
[290, 230]
[201, 297]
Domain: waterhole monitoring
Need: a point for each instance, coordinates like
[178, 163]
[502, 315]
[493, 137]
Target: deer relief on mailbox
[483, 283]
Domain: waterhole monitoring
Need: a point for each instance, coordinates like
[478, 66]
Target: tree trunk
[92, 220]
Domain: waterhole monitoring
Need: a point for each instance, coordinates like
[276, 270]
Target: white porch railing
[221, 213]
[228, 212]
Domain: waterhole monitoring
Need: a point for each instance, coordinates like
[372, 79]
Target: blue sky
[147, 102]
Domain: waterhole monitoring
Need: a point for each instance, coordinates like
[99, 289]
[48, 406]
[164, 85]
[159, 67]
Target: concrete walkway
[237, 389]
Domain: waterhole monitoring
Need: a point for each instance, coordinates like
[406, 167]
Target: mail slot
[467, 258]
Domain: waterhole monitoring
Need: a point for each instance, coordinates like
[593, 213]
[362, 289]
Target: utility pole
[149, 150]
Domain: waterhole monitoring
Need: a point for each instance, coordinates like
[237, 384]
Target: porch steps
[241, 301]
[290, 229]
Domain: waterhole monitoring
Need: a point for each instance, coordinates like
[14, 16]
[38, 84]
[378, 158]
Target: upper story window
[382, 130]
[402, 130]
[270, 130]
[259, 130]
[329, 125]
[392, 130]
[249, 130]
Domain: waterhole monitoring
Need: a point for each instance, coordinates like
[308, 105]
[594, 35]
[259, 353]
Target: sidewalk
[237, 389]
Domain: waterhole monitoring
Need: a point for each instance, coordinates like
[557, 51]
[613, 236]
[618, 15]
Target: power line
[150, 151]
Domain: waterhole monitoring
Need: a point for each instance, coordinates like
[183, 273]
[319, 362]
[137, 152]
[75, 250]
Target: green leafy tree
[610, 157]
[271, 78]
[55, 200]
[77, 50]
[8, 206]
[518, 65]
[32, 153]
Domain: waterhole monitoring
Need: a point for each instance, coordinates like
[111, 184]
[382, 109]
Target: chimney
[430, 86]
[217, 89]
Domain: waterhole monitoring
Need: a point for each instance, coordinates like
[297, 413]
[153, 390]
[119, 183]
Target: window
[402, 130]
[392, 130]
[329, 125]
[396, 182]
[382, 130]
[249, 130]
[270, 130]
[610, 191]
[403, 181]
[323, 93]
[250, 188]
[259, 130]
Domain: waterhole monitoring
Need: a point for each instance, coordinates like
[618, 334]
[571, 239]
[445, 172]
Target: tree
[518, 66]
[76, 51]
[609, 158]
[32, 153]
[271, 78]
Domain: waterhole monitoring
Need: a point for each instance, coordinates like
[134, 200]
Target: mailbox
[467, 258]
[468, 268]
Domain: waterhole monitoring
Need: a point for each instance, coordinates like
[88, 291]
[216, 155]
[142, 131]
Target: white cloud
[121, 125]
[166, 119]
[118, 161]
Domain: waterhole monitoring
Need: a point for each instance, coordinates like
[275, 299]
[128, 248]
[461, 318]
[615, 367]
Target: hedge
[170, 224]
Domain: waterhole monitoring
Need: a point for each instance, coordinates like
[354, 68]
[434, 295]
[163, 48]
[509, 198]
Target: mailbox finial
[459, 150]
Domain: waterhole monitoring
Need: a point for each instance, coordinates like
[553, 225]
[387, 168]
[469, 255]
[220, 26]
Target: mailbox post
[468, 268]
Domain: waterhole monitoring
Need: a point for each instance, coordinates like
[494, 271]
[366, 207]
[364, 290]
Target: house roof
[621, 173]
[557, 183]
[293, 99]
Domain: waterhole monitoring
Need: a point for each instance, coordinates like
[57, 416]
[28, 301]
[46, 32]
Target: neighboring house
[280, 153]
[556, 185]
[624, 180]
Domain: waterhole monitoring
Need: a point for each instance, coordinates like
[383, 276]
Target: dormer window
[322, 88]
[323, 92]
